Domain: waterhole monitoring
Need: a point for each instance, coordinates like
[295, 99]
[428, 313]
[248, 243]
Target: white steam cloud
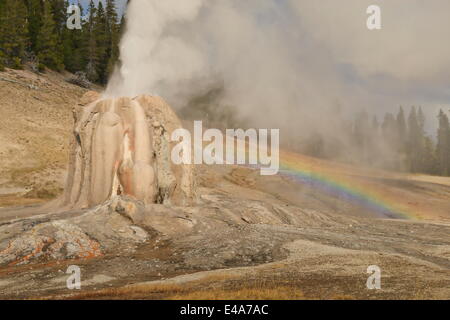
[291, 64]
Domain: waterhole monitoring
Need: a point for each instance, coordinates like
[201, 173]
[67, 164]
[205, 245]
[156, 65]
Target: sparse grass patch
[275, 293]
[213, 287]
[133, 292]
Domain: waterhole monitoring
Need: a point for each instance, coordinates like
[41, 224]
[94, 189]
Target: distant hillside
[35, 125]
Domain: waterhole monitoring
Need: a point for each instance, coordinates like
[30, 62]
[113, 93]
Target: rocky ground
[247, 236]
[236, 238]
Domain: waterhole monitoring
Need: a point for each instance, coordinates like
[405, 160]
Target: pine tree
[47, 46]
[34, 22]
[430, 164]
[101, 38]
[89, 37]
[59, 11]
[421, 120]
[389, 132]
[415, 141]
[427, 157]
[401, 130]
[122, 26]
[3, 58]
[74, 46]
[113, 35]
[14, 33]
[443, 145]
[361, 134]
[37, 28]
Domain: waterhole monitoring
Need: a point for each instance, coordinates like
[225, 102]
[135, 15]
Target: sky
[306, 53]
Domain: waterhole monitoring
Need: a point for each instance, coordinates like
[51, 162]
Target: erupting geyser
[122, 146]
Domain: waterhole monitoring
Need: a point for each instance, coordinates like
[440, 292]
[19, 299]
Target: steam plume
[298, 65]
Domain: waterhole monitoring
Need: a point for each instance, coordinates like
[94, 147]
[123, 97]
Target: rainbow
[335, 181]
[354, 185]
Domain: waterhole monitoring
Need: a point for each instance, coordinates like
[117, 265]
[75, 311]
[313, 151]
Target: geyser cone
[122, 146]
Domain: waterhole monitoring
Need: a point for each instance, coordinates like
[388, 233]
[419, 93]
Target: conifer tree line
[35, 32]
[399, 142]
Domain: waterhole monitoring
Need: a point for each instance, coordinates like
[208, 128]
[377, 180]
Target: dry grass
[177, 292]
[132, 292]
[213, 287]
[342, 297]
[11, 200]
[276, 293]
